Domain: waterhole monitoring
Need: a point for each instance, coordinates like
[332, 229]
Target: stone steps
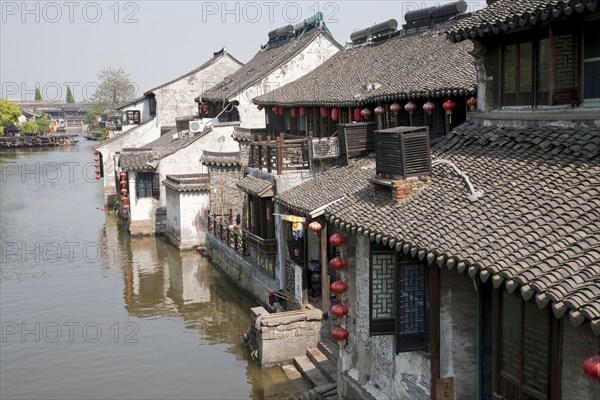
[330, 349]
[319, 375]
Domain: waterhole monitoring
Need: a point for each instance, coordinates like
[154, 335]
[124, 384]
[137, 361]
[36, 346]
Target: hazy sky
[53, 44]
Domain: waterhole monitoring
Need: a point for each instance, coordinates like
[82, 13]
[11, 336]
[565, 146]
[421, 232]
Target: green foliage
[1, 130]
[29, 128]
[104, 134]
[115, 88]
[43, 124]
[70, 98]
[93, 113]
[38, 94]
[9, 114]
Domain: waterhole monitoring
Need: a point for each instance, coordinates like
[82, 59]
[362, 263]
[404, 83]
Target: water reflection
[188, 321]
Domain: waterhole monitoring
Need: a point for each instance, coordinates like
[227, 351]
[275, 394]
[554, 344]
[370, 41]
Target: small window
[147, 185]
[398, 303]
[132, 117]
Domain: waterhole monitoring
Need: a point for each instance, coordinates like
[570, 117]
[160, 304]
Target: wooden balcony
[253, 248]
[280, 155]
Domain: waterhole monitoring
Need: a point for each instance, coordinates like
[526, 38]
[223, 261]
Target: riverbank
[63, 139]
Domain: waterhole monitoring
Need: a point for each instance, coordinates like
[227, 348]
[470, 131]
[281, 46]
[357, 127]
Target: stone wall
[241, 272]
[224, 195]
[176, 99]
[280, 337]
[458, 336]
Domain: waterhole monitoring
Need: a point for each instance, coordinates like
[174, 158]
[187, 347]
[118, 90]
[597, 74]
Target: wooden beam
[324, 268]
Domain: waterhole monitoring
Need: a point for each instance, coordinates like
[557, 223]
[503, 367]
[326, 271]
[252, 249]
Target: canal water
[89, 312]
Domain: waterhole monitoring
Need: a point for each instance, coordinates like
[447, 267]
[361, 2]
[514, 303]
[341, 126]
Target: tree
[70, 98]
[38, 95]
[114, 88]
[9, 114]
[29, 128]
[43, 124]
[93, 112]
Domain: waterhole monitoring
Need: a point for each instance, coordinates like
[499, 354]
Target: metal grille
[382, 285]
[411, 311]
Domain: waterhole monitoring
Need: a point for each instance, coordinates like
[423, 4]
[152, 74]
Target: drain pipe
[475, 194]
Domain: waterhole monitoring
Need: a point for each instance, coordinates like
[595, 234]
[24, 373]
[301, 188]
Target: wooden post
[269, 156]
[280, 153]
[434, 326]
[324, 270]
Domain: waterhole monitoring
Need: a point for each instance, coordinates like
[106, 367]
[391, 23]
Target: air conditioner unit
[197, 126]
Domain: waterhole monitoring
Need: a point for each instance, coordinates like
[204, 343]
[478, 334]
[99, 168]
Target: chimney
[402, 160]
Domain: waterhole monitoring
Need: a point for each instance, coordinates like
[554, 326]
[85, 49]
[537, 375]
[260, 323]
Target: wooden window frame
[555, 344]
[142, 192]
[404, 342]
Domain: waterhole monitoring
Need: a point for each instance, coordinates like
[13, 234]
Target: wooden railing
[279, 155]
[253, 248]
[232, 238]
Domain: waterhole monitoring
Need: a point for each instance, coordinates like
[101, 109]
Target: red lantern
[449, 106]
[395, 108]
[97, 171]
[97, 165]
[124, 199]
[591, 366]
[410, 107]
[324, 112]
[123, 191]
[126, 207]
[340, 334]
[339, 310]
[472, 103]
[357, 114]
[97, 177]
[96, 159]
[339, 287]
[302, 112]
[280, 111]
[429, 107]
[314, 226]
[123, 182]
[365, 113]
[275, 109]
[338, 263]
[335, 114]
[259, 107]
[294, 112]
[379, 110]
[338, 240]
[96, 153]
[123, 175]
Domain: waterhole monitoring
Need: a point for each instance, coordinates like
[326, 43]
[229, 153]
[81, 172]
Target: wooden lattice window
[398, 298]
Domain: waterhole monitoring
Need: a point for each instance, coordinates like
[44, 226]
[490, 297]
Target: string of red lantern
[357, 115]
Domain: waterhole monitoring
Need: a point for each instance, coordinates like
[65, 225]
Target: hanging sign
[298, 282]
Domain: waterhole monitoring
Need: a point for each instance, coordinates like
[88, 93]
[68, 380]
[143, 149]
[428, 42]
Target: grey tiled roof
[265, 61]
[252, 185]
[506, 15]
[220, 158]
[136, 160]
[327, 187]
[188, 183]
[425, 64]
[160, 148]
[536, 228]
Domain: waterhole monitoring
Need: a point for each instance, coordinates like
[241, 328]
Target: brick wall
[224, 195]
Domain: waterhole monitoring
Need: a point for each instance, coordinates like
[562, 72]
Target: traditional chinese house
[156, 112]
